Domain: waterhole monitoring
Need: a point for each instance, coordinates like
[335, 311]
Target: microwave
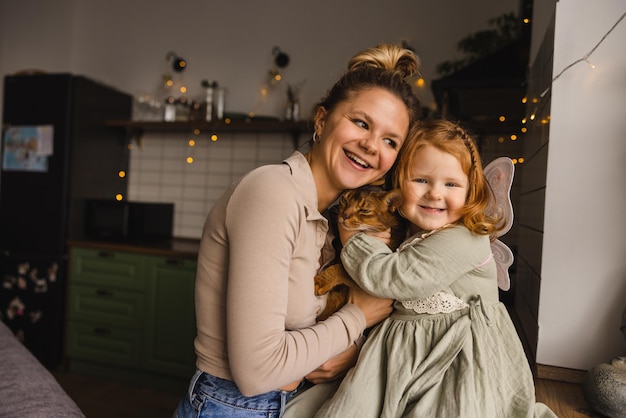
[109, 219]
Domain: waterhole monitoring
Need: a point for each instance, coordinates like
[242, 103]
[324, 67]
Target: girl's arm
[418, 271]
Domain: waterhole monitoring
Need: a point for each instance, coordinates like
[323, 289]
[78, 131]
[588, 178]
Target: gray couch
[27, 389]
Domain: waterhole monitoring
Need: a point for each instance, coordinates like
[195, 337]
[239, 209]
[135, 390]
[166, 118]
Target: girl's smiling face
[436, 191]
[360, 140]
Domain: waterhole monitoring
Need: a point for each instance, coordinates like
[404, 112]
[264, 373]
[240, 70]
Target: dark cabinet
[131, 315]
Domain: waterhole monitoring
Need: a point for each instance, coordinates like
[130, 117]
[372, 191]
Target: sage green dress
[450, 350]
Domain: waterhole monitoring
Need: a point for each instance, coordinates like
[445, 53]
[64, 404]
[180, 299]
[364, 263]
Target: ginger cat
[363, 209]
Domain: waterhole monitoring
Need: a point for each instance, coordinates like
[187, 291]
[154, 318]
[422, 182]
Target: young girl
[450, 348]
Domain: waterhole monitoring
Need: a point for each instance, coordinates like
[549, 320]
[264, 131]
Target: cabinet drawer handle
[173, 262]
[105, 254]
[102, 331]
[104, 293]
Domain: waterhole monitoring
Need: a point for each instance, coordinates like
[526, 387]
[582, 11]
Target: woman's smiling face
[360, 139]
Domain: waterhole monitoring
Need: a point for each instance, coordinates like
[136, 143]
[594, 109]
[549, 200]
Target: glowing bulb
[189, 160]
[169, 83]
[192, 143]
[196, 131]
[521, 160]
[500, 139]
[524, 130]
[502, 118]
[183, 89]
[119, 197]
[263, 91]
[227, 121]
[524, 99]
[590, 63]
[420, 82]
[513, 137]
[526, 20]
[121, 174]
[524, 120]
[213, 137]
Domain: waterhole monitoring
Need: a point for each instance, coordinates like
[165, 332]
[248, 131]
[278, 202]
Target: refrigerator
[56, 152]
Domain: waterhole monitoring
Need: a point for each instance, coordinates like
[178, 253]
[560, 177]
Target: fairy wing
[503, 258]
[499, 175]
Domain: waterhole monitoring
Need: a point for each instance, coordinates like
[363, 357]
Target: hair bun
[388, 57]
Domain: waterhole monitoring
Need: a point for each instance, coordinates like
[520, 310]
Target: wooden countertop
[176, 247]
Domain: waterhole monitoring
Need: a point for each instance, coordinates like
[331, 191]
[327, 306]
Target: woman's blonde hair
[385, 66]
[451, 138]
[389, 57]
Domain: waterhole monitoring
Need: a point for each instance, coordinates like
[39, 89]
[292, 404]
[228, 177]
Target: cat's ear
[393, 199]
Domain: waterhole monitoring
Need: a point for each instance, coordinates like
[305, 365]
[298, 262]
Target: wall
[531, 181]
[125, 43]
[580, 258]
[159, 172]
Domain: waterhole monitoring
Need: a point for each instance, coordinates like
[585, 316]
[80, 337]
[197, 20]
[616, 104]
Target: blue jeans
[213, 397]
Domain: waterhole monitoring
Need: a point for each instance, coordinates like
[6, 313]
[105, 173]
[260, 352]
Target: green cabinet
[171, 326]
[131, 314]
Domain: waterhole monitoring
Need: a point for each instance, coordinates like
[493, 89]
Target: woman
[258, 338]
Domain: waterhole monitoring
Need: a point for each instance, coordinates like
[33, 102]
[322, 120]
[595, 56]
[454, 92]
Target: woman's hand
[334, 368]
[375, 309]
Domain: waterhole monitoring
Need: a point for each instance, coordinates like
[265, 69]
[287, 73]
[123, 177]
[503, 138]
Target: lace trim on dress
[440, 302]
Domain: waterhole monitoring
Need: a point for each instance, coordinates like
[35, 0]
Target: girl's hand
[344, 234]
[334, 368]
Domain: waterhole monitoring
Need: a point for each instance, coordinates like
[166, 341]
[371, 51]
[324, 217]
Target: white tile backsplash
[159, 171]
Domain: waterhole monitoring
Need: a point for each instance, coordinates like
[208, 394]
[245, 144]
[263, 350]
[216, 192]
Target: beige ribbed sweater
[255, 303]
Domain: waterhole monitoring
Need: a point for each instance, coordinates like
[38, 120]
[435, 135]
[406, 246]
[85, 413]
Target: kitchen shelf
[136, 129]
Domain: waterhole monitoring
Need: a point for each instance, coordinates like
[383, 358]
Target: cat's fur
[364, 209]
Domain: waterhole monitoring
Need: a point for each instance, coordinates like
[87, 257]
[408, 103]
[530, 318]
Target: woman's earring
[316, 137]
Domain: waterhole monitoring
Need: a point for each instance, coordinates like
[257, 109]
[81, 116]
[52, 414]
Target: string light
[588, 54]
[539, 102]
[584, 57]
[590, 64]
